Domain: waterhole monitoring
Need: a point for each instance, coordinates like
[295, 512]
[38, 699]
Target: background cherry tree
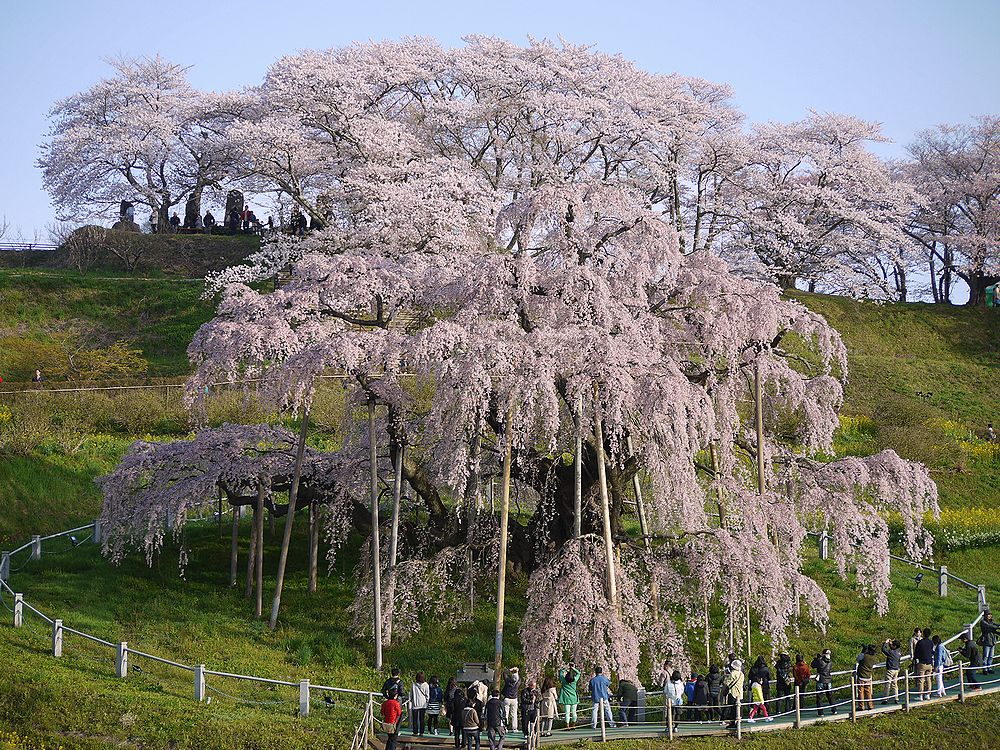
[509, 236]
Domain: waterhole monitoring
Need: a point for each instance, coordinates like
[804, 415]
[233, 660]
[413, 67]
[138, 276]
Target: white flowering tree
[502, 276]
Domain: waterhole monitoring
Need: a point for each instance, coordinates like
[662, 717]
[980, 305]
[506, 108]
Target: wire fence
[854, 696]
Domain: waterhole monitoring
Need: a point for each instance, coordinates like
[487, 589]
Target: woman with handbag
[434, 705]
[391, 713]
[420, 695]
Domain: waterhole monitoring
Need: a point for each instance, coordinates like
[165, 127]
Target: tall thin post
[961, 682]
[293, 496]
[504, 513]
[259, 533]
[252, 556]
[600, 710]
[906, 693]
[708, 632]
[312, 563]
[670, 719]
[739, 719]
[219, 512]
[234, 549]
[640, 507]
[376, 551]
[605, 505]
[749, 648]
[854, 700]
[397, 496]
[758, 398]
[798, 706]
[578, 471]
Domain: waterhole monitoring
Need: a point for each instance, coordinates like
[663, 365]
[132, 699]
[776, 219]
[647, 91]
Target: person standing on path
[942, 659]
[923, 657]
[784, 680]
[600, 694]
[529, 709]
[988, 640]
[420, 696]
[823, 666]
[890, 650]
[435, 705]
[866, 675]
[456, 710]
[733, 683]
[392, 712]
[393, 684]
[548, 707]
[628, 699]
[509, 691]
[568, 679]
[471, 725]
[970, 652]
[714, 682]
[496, 727]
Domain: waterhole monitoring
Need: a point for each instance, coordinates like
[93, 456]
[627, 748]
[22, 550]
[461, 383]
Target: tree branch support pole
[293, 495]
[259, 532]
[502, 572]
[640, 507]
[252, 554]
[313, 546]
[397, 496]
[602, 476]
[234, 549]
[376, 551]
[578, 472]
[708, 632]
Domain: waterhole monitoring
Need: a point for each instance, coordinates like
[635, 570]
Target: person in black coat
[761, 673]
[714, 684]
[784, 680]
[458, 703]
[702, 698]
[970, 652]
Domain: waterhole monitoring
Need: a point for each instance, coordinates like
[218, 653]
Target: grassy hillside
[923, 381]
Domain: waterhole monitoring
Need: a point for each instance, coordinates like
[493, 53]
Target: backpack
[947, 661]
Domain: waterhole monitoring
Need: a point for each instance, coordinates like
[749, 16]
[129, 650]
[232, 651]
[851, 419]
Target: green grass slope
[923, 380]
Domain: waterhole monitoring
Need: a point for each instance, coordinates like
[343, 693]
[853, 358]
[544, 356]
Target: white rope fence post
[199, 683]
[961, 683]
[121, 660]
[670, 720]
[98, 531]
[303, 697]
[739, 719]
[18, 610]
[854, 700]
[943, 581]
[824, 545]
[5, 567]
[36, 547]
[57, 638]
[798, 707]
[906, 695]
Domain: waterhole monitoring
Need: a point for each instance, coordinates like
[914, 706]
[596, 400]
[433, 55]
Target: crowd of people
[467, 711]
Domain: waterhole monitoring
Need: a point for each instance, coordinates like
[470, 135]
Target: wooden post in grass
[961, 682]
[739, 719]
[218, 513]
[906, 694]
[376, 543]
[600, 710]
[602, 477]
[199, 682]
[251, 554]
[670, 719]
[57, 637]
[314, 524]
[121, 660]
[18, 610]
[234, 547]
[36, 547]
[943, 581]
[798, 707]
[98, 535]
[5, 566]
[258, 531]
[708, 631]
[293, 495]
[303, 697]
[397, 498]
[502, 571]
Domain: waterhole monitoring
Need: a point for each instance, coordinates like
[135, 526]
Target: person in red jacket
[392, 712]
[801, 673]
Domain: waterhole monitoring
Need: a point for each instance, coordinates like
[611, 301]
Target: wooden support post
[644, 529]
[981, 597]
[759, 424]
[376, 542]
[199, 682]
[602, 477]
[824, 545]
[397, 497]
[251, 555]
[670, 719]
[906, 693]
[36, 547]
[798, 707]
[600, 710]
[578, 471]
[259, 535]
[961, 682]
[502, 571]
[749, 648]
[218, 512]
[303, 697]
[18, 610]
[854, 700]
[708, 631]
[314, 524]
[943, 581]
[293, 496]
[121, 660]
[98, 535]
[57, 638]
[234, 549]
[5, 567]
[739, 719]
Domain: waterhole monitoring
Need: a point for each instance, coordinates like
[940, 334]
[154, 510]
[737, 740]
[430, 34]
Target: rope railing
[661, 714]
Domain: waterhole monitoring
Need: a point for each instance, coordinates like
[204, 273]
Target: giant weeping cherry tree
[502, 286]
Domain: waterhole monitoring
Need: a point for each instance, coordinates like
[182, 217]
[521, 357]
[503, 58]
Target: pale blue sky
[908, 65]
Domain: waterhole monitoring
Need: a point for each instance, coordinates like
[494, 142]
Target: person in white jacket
[420, 695]
[673, 692]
